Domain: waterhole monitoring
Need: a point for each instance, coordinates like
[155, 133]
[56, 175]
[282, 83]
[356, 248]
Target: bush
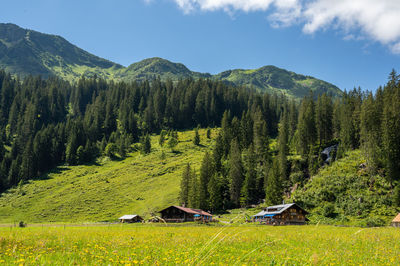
[328, 210]
[374, 222]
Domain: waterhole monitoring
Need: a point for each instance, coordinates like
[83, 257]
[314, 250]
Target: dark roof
[278, 209]
[190, 210]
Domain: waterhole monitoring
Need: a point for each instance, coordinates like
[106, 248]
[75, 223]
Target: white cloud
[378, 20]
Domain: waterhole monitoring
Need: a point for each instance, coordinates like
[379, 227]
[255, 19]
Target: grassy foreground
[189, 245]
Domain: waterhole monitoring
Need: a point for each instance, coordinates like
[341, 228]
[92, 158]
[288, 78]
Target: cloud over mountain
[376, 20]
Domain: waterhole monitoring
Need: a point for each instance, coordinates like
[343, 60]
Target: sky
[349, 43]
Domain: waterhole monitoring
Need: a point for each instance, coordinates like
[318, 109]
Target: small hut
[180, 214]
[396, 221]
[130, 219]
[285, 214]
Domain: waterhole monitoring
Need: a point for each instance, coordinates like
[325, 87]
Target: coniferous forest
[265, 146]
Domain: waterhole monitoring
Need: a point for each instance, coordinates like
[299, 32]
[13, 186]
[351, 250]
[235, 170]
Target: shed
[132, 218]
[284, 214]
[183, 214]
[396, 221]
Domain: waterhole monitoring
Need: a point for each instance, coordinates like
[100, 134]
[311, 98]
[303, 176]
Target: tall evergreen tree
[273, 187]
[249, 189]
[185, 186]
[206, 172]
[307, 134]
[236, 173]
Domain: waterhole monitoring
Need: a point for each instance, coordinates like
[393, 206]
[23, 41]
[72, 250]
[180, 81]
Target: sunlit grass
[190, 245]
[139, 184]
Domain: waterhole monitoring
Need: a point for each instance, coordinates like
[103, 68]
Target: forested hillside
[45, 123]
[49, 122]
[243, 170]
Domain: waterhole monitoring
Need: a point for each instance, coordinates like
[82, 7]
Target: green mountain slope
[276, 80]
[24, 52]
[152, 68]
[346, 193]
[103, 192]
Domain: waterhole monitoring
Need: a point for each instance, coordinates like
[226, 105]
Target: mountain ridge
[27, 52]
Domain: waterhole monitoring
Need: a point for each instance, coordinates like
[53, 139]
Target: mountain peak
[28, 52]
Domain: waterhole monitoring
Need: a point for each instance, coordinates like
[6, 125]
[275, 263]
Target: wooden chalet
[178, 214]
[130, 219]
[396, 221]
[285, 214]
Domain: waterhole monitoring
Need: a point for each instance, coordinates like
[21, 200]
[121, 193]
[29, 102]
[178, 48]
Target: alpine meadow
[156, 164]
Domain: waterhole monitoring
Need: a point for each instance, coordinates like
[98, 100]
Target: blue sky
[213, 36]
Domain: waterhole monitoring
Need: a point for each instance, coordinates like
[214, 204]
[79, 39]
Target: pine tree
[206, 172]
[273, 187]
[370, 132]
[324, 113]
[208, 133]
[391, 128]
[216, 201]
[173, 140]
[218, 152]
[307, 134]
[145, 144]
[236, 173]
[193, 197]
[196, 139]
[249, 189]
[185, 186]
[161, 139]
[283, 149]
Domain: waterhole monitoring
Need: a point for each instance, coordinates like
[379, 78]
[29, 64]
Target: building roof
[192, 211]
[277, 209]
[396, 219]
[128, 217]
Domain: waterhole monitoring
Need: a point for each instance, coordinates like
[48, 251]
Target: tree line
[244, 169]
[49, 122]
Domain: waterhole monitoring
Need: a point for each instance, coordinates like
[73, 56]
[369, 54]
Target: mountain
[157, 67]
[24, 52]
[272, 79]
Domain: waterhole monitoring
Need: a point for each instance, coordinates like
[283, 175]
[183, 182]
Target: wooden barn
[285, 214]
[178, 214]
[396, 221]
[130, 219]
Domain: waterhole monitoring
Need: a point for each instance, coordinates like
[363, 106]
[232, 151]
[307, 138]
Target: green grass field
[103, 192]
[205, 245]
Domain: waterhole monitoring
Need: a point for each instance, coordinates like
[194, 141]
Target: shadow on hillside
[176, 152]
[57, 170]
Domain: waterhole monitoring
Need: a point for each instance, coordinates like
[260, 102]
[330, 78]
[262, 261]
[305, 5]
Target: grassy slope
[139, 184]
[359, 198]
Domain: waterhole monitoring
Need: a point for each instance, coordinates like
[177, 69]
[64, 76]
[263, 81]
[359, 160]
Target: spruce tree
[249, 189]
[185, 186]
[273, 186]
[145, 144]
[161, 139]
[196, 139]
[215, 191]
[391, 128]
[236, 173]
[173, 140]
[306, 126]
[193, 195]
[206, 172]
